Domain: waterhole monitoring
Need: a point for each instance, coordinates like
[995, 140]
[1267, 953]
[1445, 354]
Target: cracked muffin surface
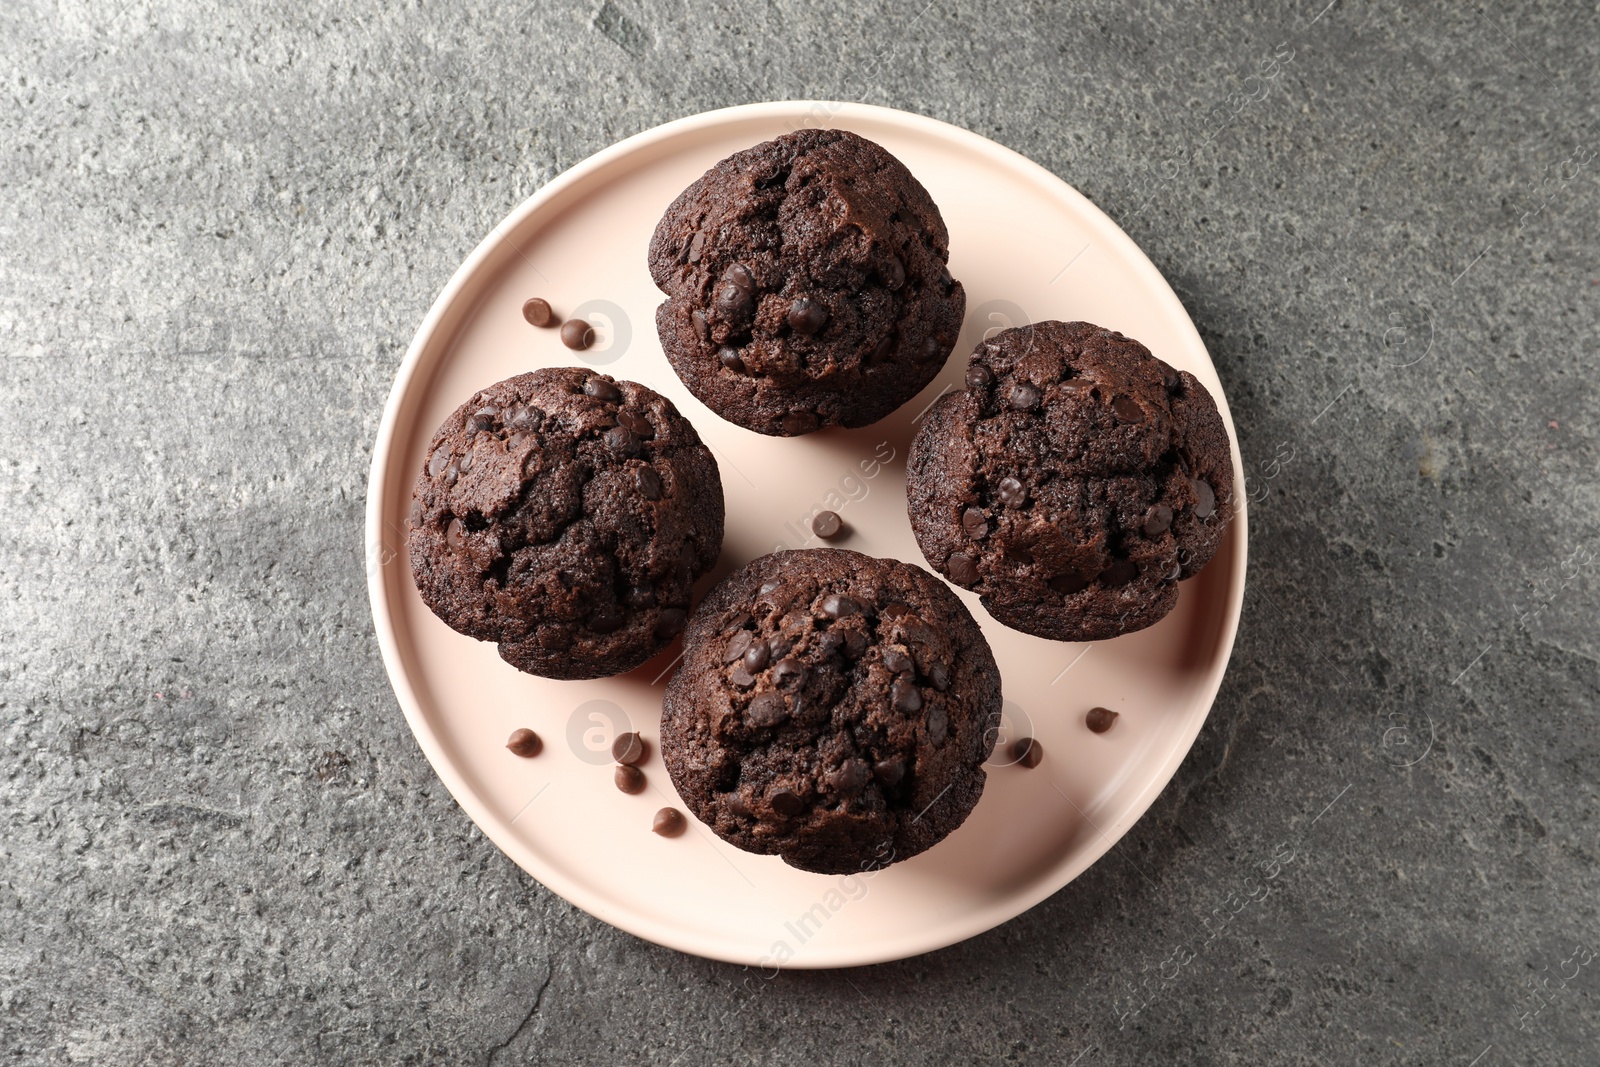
[564, 515]
[806, 284]
[1073, 483]
[832, 709]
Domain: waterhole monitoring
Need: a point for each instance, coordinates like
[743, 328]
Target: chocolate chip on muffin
[806, 284]
[565, 516]
[1073, 483]
[833, 709]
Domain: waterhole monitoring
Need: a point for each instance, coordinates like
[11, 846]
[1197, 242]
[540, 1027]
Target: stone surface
[220, 226]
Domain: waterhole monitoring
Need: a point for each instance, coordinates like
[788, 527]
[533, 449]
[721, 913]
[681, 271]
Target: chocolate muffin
[806, 284]
[833, 709]
[564, 515]
[1073, 483]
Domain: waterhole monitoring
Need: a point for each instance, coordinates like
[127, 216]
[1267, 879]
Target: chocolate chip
[628, 749]
[669, 822]
[855, 644]
[850, 777]
[606, 619]
[1121, 572]
[577, 334]
[697, 247]
[767, 709]
[807, 316]
[637, 423]
[1028, 752]
[670, 622]
[894, 273]
[880, 351]
[1170, 377]
[464, 464]
[1078, 385]
[455, 535]
[779, 645]
[1069, 583]
[702, 325]
[894, 609]
[1023, 396]
[1127, 409]
[737, 622]
[889, 771]
[729, 357]
[904, 696]
[417, 513]
[895, 661]
[524, 743]
[600, 389]
[1100, 719]
[537, 312]
[524, 418]
[649, 483]
[786, 802]
[839, 606]
[798, 422]
[1012, 494]
[938, 724]
[768, 586]
[979, 376]
[963, 569]
[629, 779]
[623, 440]
[737, 645]
[974, 524]
[439, 461]
[827, 525]
[1205, 504]
[483, 420]
[736, 293]
[741, 677]
[757, 656]
[939, 675]
[735, 803]
[789, 673]
[1158, 521]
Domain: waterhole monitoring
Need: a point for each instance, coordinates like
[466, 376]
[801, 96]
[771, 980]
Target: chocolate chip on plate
[827, 525]
[1027, 751]
[628, 749]
[1099, 720]
[577, 334]
[629, 778]
[524, 743]
[537, 312]
[669, 822]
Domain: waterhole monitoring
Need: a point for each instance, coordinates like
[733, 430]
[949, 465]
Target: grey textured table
[218, 840]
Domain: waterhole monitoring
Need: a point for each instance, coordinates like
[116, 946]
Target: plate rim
[1062, 873]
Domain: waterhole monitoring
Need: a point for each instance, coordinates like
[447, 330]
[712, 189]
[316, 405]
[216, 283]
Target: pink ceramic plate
[1027, 247]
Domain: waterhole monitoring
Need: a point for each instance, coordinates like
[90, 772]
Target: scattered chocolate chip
[827, 525]
[807, 316]
[649, 483]
[606, 619]
[670, 622]
[1205, 503]
[629, 779]
[737, 622]
[939, 676]
[600, 389]
[702, 325]
[974, 524]
[757, 656]
[1158, 521]
[798, 422]
[767, 709]
[962, 568]
[455, 535]
[669, 822]
[524, 743]
[979, 376]
[439, 461]
[1028, 752]
[735, 803]
[894, 273]
[1170, 377]
[838, 606]
[850, 777]
[737, 645]
[1069, 583]
[482, 420]
[621, 439]
[1011, 492]
[1121, 572]
[1128, 409]
[729, 357]
[741, 677]
[697, 246]
[904, 696]
[577, 334]
[1023, 396]
[895, 661]
[1100, 719]
[628, 749]
[938, 724]
[855, 644]
[637, 424]
[789, 673]
[537, 312]
[786, 802]
[736, 294]
[889, 771]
